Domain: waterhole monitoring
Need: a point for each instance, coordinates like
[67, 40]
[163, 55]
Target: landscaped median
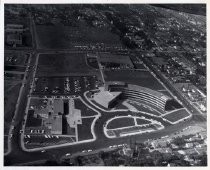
[130, 125]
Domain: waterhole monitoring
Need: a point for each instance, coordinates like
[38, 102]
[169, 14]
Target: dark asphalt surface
[18, 156]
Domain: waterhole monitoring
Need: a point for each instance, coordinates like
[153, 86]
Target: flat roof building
[106, 98]
[56, 125]
[58, 106]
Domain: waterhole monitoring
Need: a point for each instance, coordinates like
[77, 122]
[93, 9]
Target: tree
[203, 160]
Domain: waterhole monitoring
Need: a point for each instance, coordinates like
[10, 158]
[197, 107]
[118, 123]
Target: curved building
[139, 93]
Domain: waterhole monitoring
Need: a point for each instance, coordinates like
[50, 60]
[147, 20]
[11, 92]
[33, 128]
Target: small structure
[74, 116]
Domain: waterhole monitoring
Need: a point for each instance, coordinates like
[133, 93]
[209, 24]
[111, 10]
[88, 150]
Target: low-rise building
[107, 99]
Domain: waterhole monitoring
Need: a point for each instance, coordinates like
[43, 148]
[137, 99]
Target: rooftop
[105, 97]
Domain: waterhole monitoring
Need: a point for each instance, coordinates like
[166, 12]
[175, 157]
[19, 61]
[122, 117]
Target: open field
[121, 122]
[112, 58]
[176, 115]
[84, 130]
[141, 78]
[62, 37]
[63, 64]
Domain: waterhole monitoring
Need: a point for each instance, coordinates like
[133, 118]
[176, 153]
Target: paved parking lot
[73, 85]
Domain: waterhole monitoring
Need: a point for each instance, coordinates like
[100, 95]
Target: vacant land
[112, 58]
[141, 78]
[63, 64]
[121, 122]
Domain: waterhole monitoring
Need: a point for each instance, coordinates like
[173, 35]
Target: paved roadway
[196, 115]
[18, 156]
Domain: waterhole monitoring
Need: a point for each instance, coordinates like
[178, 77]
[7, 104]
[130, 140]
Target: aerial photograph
[105, 85]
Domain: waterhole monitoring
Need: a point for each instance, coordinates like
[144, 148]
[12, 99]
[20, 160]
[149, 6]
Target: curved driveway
[18, 156]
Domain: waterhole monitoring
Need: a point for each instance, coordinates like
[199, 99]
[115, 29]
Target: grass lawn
[122, 59]
[141, 78]
[121, 122]
[142, 121]
[84, 130]
[62, 64]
